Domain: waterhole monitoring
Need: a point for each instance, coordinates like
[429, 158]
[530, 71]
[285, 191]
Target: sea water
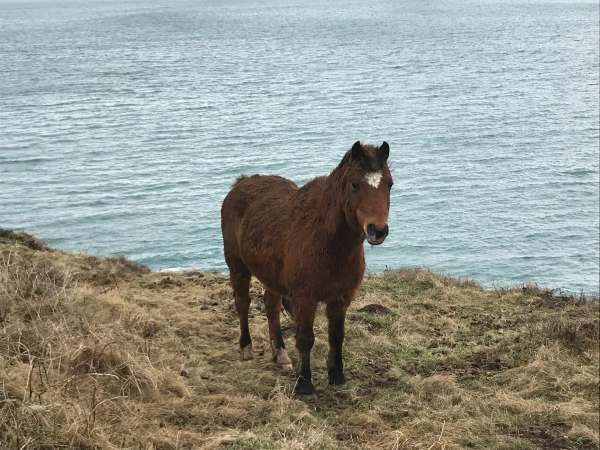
[124, 123]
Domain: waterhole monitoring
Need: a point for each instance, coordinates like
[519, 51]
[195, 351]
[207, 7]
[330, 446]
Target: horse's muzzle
[376, 236]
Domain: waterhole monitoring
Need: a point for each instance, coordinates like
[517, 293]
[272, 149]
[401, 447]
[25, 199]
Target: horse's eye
[390, 184]
[355, 187]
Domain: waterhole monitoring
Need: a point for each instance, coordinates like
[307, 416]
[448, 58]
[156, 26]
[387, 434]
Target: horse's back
[256, 189]
[252, 212]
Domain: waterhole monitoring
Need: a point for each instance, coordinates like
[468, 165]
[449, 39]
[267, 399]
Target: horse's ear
[357, 150]
[384, 151]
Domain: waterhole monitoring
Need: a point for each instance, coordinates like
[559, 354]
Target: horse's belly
[264, 261]
[326, 279]
[270, 278]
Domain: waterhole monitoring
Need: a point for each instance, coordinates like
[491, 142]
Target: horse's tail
[288, 306]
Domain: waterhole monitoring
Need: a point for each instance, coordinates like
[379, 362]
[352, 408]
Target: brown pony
[306, 244]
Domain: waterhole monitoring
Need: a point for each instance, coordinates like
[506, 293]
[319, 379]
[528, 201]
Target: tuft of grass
[101, 353]
[11, 237]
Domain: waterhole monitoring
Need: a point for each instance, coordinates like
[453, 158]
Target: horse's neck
[338, 232]
[323, 196]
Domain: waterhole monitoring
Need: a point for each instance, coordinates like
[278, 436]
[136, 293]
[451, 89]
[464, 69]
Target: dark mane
[370, 163]
[312, 183]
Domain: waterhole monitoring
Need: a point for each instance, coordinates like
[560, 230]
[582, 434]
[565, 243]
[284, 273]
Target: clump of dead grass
[426, 279]
[10, 237]
[64, 378]
[579, 334]
[108, 270]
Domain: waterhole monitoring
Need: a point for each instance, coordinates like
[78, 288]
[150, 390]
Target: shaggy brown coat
[306, 244]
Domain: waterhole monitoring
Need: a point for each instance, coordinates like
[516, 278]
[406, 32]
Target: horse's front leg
[304, 311]
[336, 316]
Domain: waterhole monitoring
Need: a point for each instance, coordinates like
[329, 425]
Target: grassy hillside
[102, 353]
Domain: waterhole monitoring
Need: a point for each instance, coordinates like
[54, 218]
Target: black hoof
[336, 377]
[305, 390]
[307, 397]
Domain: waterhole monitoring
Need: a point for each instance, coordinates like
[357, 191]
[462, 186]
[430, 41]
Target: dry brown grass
[101, 353]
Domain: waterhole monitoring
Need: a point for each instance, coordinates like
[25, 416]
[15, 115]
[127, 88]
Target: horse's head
[367, 185]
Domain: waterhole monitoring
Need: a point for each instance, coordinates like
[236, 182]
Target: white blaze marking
[373, 178]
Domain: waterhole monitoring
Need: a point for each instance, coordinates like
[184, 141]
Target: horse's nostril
[381, 232]
[378, 233]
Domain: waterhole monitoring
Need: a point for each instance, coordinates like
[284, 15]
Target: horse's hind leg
[240, 282]
[273, 309]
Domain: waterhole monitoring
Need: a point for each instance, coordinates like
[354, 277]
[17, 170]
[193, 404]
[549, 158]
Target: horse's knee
[336, 335]
[305, 339]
